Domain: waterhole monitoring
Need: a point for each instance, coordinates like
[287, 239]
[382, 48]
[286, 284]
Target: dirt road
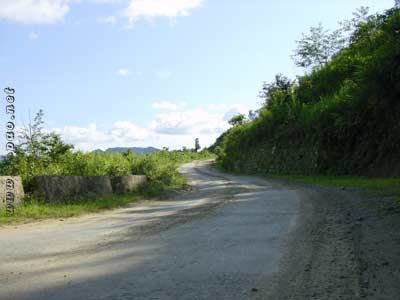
[228, 237]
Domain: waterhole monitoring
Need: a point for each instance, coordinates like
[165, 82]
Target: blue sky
[151, 72]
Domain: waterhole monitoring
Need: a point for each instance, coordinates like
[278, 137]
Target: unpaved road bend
[228, 237]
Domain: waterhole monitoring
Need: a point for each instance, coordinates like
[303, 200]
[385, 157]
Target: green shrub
[341, 118]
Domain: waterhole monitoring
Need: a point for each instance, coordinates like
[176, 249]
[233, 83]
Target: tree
[54, 147]
[397, 3]
[359, 16]
[34, 142]
[31, 135]
[197, 145]
[252, 115]
[317, 47]
[37, 152]
[277, 92]
[237, 120]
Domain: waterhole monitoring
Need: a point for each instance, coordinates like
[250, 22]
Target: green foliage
[37, 153]
[277, 93]
[373, 187]
[160, 167]
[316, 48]
[46, 154]
[237, 120]
[341, 118]
[34, 210]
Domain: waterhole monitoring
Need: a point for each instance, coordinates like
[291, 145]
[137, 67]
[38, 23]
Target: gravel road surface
[226, 237]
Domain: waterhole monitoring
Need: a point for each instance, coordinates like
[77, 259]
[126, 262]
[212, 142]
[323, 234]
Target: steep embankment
[342, 118]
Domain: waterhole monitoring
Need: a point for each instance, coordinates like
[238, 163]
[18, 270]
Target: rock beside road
[13, 185]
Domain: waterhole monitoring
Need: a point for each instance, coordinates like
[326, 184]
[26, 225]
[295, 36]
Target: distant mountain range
[137, 150]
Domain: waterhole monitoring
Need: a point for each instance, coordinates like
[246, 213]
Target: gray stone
[70, 188]
[13, 186]
[128, 183]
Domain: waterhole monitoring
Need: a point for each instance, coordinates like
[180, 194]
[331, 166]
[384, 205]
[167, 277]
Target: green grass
[35, 210]
[373, 186]
[217, 165]
[379, 187]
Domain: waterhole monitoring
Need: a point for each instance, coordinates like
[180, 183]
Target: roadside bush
[46, 154]
[342, 117]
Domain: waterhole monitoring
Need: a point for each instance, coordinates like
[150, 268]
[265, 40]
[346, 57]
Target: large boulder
[73, 188]
[13, 186]
[70, 188]
[128, 183]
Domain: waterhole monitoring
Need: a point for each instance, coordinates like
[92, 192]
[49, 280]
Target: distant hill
[137, 150]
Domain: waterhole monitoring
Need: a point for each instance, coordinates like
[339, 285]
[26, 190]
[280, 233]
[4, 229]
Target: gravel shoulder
[346, 246]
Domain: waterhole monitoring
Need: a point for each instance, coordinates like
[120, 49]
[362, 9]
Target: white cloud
[160, 8]
[168, 105]
[123, 72]
[105, 1]
[128, 72]
[189, 122]
[163, 74]
[53, 11]
[122, 133]
[83, 138]
[216, 106]
[33, 11]
[33, 36]
[173, 129]
[127, 131]
[108, 20]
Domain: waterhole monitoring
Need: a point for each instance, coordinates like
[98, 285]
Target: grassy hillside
[340, 118]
